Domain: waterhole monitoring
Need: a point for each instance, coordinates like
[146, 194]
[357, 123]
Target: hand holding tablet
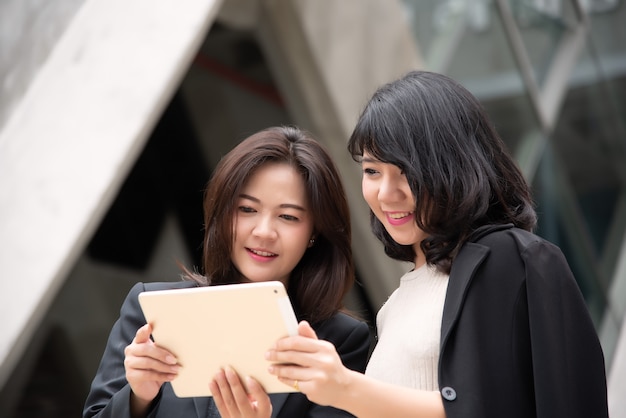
[209, 328]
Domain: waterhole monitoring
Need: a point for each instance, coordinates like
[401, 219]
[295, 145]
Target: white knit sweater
[409, 326]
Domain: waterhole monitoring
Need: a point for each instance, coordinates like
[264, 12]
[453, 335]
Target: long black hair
[458, 168]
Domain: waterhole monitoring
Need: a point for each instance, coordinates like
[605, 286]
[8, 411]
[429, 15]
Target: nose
[389, 190]
[265, 228]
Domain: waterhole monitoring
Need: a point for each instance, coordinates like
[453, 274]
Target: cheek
[295, 246]
[301, 237]
[370, 193]
[240, 229]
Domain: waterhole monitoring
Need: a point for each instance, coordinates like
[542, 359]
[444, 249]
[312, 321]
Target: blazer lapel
[461, 274]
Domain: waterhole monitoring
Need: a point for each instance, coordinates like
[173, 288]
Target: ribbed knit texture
[409, 327]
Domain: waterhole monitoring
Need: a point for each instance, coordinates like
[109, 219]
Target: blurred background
[113, 114]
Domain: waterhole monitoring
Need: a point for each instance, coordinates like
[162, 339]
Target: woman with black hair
[490, 321]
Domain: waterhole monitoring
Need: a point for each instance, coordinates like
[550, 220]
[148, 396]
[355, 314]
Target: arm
[326, 381]
[111, 394]
[351, 341]
[147, 368]
[351, 337]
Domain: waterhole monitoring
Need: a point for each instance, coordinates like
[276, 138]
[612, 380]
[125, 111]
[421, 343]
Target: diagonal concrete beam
[67, 147]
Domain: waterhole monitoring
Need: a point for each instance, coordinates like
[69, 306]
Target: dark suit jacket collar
[461, 274]
[488, 229]
[463, 269]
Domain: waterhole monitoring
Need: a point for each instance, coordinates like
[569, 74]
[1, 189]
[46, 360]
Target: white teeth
[262, 253]
[399, 215]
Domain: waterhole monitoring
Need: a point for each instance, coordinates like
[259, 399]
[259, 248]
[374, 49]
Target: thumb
[305, 330]
[143, 334]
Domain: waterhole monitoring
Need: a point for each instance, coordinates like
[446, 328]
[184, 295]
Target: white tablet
[208, 328]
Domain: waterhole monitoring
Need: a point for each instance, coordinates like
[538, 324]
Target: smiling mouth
[262, 253]
[399, 215]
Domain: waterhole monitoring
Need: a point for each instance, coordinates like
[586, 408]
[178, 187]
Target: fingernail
[270, 369]
[170, 359]
[267, 355]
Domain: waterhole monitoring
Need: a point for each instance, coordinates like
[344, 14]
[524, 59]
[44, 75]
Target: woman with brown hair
[275, 209]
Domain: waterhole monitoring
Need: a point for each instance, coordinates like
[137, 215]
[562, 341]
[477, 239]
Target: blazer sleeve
[568, 363]
[109, 395]
[352, 340]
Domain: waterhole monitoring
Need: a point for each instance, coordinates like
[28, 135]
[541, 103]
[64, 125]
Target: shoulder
[517, 247]
[133, 293]
[497, 235]
[183, 284]
[508, 240]
[494, 249]
[343, 321]
[341, 326]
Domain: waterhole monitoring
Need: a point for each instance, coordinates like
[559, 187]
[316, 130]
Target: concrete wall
[70, 139]
[29, 30]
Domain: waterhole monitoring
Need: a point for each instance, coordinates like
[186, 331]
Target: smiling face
[272, 224]
[389, 196]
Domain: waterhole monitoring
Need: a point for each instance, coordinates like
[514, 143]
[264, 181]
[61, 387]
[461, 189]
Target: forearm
[366, 397]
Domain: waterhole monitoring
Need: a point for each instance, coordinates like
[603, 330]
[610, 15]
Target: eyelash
[371, 171]
[248, 209]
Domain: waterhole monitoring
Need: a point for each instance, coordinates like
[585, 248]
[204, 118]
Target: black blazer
[110, 393]
[517, 340]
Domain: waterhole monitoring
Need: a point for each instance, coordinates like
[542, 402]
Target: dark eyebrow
[284, 205]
